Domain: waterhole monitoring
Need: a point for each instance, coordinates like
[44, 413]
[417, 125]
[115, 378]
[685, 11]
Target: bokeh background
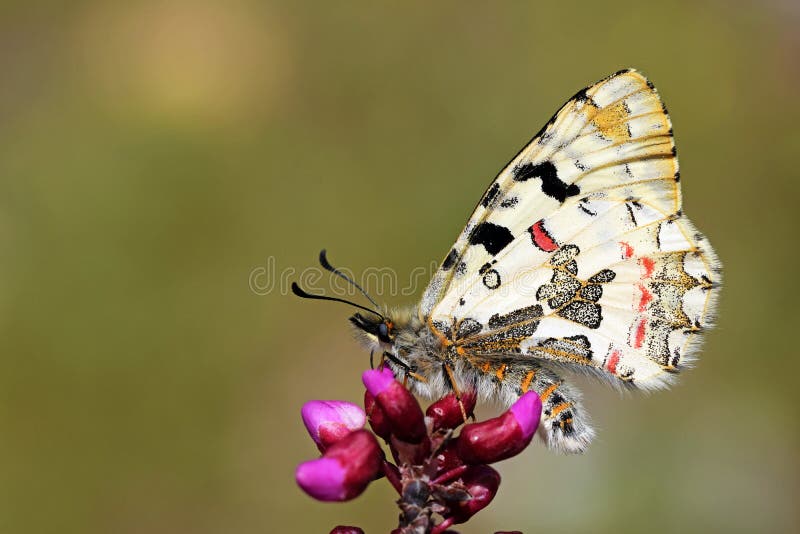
[155, 154]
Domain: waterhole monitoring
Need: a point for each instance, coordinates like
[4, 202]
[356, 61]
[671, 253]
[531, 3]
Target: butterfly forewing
[578, 252]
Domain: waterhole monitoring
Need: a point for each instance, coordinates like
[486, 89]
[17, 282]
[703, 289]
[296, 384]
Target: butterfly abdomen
[565, 425]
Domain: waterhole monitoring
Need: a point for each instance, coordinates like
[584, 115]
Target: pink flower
[446, 412]
[403, 414]
[330, 421]
[344, 471]
[440, 474]
[376, 417]
[504, 436]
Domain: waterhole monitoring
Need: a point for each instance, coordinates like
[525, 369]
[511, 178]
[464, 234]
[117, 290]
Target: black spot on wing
[491, 279]
[493, 237]
[552, 185]
[509, 202]
[571, 267]
[516, 316]
[591, 292]
[467, 328]
[444, 328]
[491, 195]
[450, 260]
[586, 313]
[603, 277]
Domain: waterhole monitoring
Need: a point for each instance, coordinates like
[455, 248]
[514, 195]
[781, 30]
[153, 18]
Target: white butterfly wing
[579, 253]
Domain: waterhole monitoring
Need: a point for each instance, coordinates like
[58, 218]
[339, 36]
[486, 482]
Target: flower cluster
[442, 478]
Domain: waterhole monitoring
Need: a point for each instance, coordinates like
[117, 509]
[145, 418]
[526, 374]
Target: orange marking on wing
[613, 360]
[645, 298]
[501, 372]
[648, 264]
[547, 392]
[639, 338]
[611, 122]
[627, 250]
[485, 367]
[541, 238]
[526, 382]
[560, 408]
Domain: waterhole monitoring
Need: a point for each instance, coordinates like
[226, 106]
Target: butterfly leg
[448, 372]
[408, 370]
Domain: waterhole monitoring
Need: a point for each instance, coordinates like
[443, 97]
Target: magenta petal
[337, 417]
[377, 380]
[322, 479]
[527, 411]
[446, 412]
[402, 411]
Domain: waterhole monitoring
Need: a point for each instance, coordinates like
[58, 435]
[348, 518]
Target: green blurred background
[154, 154]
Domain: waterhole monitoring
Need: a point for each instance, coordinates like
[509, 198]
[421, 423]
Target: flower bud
[504, 436]
[346, 530]
[446, 412]
[345, 469]
[402, 411]
[330, 421]
[482, 482]
[376, 417]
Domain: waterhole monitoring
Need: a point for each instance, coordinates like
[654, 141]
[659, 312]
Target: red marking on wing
[627, 250]
[541, 238]
[639, 337]
[649, 264]
[613, 360]
[645, 298]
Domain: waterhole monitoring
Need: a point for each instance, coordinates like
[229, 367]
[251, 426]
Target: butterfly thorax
[408, 346]
[432, 364]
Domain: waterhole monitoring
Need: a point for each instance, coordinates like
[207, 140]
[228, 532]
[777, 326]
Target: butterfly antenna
[302, 294]
[323, 260]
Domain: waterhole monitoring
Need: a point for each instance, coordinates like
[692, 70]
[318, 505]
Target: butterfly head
[375, 328]
[379, 330]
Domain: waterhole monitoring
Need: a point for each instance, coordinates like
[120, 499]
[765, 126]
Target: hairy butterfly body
[578, 257]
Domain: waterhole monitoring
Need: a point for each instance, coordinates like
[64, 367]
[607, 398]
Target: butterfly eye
[383, 333]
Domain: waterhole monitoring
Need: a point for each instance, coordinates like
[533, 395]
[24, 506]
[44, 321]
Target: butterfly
[577, 258]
